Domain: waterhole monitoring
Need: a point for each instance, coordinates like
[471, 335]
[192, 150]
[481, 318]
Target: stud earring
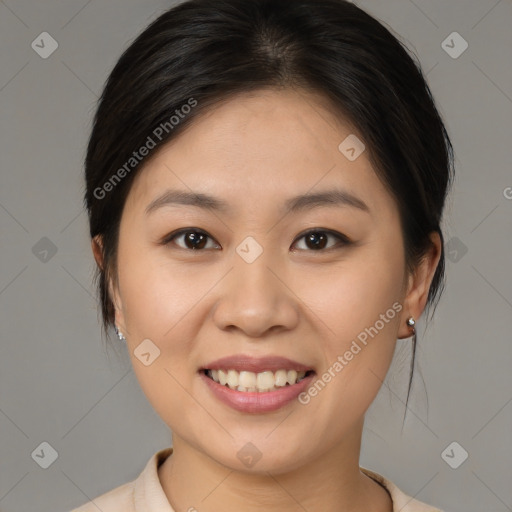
[411, 323]
[119, 333]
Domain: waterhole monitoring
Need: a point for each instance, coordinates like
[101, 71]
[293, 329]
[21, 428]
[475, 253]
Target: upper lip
[242, 362]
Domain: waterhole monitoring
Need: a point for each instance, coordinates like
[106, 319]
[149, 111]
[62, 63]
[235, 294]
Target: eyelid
[343, 239]
[327, 231]
[179, 232]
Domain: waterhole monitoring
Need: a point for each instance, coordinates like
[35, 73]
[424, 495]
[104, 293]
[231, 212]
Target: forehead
[262, 147]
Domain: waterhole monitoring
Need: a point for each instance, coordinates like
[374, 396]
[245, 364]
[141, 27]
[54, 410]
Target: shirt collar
[149, 494]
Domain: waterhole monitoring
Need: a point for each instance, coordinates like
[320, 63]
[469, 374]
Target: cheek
[162, 304]
[352, 296]
[157, 296]
[359, 304]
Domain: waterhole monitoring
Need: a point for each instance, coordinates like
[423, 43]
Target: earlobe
[116, 301]
[118, 307]
[97, 250]
[419, 285]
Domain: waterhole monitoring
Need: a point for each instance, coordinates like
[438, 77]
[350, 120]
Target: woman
[265, 187]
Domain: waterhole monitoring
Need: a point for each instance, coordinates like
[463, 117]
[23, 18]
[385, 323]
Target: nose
[255, 299]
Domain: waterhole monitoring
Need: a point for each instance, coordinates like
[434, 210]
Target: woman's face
[257, 286]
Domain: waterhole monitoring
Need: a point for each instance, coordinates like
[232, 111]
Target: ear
[419, 285]
[97, 250]
[113, 292]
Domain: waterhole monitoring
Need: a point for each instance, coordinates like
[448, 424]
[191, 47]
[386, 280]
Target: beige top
[145, 493]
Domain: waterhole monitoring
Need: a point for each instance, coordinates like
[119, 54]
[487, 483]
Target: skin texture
[255, 151]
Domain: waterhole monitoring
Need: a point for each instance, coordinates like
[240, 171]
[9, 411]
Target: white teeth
[256, 382]
[223, 378]
[265, 381]
[247, 379]
[280, 378]
[291, 377]
[232, 379]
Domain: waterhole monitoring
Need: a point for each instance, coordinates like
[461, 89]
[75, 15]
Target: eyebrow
[332, 197]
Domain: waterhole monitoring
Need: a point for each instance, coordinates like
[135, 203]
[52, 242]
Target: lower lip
[254, 402]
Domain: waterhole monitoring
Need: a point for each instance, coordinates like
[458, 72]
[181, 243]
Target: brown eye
[317, 240]
[192, 239]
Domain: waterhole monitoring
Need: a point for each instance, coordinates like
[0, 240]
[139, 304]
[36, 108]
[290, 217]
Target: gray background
[59, 385]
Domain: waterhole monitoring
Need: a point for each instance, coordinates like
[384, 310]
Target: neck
[331, 482]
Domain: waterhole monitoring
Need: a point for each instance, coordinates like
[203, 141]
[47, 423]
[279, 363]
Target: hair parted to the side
[211, 51]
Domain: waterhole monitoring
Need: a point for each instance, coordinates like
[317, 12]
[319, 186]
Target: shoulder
[142, 494]
[401, 501]
[120, 498]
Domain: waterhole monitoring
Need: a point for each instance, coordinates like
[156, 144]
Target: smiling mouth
[261, 382]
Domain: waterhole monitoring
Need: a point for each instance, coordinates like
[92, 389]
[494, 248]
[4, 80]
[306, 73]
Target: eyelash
[343, 239]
